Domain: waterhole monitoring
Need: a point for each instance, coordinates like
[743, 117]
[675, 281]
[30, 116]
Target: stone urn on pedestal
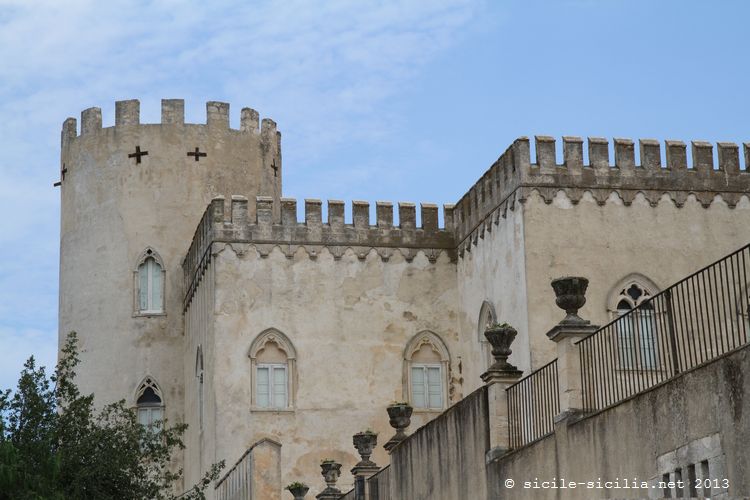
[570, 293]
[365, 443]
[298, 490]
[331, 470]
[399, 417]
[500, 337]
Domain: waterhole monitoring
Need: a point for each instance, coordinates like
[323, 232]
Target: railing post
[671, 333]
[498, 378]
[571, 296]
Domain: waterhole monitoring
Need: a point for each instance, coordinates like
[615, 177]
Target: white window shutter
[143, 287]
[279, 387]
[156, 287]
[418, 393]
[262, 386]
[434, 387]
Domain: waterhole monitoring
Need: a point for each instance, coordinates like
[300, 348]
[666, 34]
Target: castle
[199, 296]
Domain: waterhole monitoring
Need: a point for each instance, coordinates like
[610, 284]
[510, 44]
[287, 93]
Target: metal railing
[533, 403]
[690, 323]
[236, 483]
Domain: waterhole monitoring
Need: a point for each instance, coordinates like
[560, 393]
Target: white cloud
[324, 70]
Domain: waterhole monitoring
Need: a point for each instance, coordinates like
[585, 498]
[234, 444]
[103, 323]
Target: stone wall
[349, 320]
[116, 205]
[700, 419]
[444, 460]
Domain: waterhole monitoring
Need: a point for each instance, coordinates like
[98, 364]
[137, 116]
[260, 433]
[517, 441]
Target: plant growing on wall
[55, 445]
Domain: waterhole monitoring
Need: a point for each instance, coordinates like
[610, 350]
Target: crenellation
[703, 156]
[127, 112]
[216, 210]
[336, 214]
[361, 214]
[289, 212]
[676, 155]
[599, 177]
[217, 114]
[729, 157]
[407, 215]
[573, 154]
[384, 214]
[69, 130]
[650, 150]
[545, 152]
[236, 227]
[521, 159]
[429, 213]
[239, 210]
[268, 129]
[91, 121]
[249, 121]
[624, 154]
[599, 153]
[449, 217]
[173, 111]
[264, 211]
[746, 148]
[313, 212]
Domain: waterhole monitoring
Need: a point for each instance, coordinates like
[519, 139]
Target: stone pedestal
[571, 296]
[565, 335]
[497, 382]
[331, 471]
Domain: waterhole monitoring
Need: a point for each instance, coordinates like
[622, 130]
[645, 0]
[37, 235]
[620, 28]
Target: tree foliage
[55, 444]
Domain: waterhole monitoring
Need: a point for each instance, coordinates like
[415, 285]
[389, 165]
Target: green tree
[54, 444]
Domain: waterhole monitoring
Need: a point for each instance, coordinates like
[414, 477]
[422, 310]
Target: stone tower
[131, 193]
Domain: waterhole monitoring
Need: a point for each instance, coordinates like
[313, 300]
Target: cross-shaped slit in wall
[274, 167]
[138, 154]
[63, 171]
[197, 154]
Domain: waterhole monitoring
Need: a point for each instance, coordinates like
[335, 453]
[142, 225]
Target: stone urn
[298, 490]
[400, 418]
[365, 443]
[331, 470]
[501, 337]
[571, 296]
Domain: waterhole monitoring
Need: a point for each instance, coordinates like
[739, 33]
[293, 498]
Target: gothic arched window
[426, 363]
[636, 331]
[149, 403]
[272, 366]
[149, 284]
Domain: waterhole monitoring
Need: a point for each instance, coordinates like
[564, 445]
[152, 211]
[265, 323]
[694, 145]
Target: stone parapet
[265, 233]
[513, 177]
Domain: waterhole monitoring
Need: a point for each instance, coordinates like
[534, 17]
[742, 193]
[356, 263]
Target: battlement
[231, 223]
[128, 114]
[512, 177]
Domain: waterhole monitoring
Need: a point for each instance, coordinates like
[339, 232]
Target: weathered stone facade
[347, 306]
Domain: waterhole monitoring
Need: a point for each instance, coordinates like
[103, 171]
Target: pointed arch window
[636, 331]
[273, 371]
[426, 364]
[149, 284]
[149, 403]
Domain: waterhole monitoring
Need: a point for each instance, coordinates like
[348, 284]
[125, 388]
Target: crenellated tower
[131, 196]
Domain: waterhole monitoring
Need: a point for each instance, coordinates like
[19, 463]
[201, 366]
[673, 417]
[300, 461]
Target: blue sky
[401, 101]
